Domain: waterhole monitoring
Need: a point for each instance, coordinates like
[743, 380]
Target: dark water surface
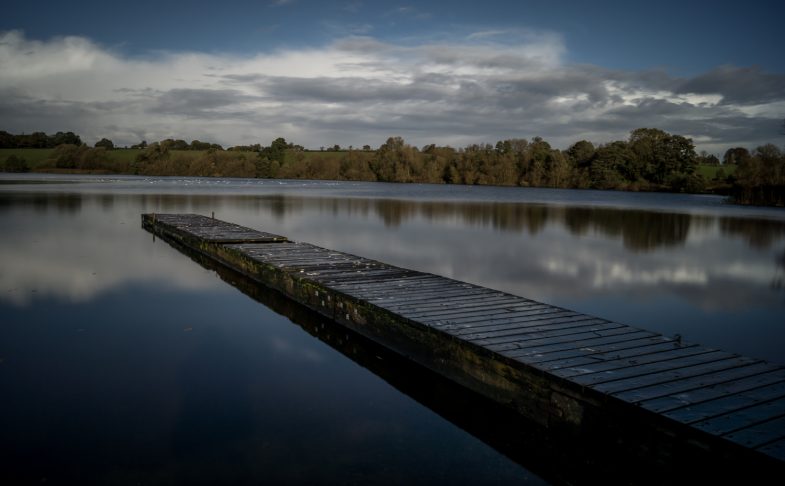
[123, 361]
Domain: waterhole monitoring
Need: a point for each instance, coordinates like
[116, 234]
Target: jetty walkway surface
[565, 370]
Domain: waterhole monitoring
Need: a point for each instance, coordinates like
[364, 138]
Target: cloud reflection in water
[688, 270]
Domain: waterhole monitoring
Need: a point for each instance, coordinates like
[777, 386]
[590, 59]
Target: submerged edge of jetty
[670, 401]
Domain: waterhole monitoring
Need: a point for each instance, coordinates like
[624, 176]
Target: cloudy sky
[355, 72]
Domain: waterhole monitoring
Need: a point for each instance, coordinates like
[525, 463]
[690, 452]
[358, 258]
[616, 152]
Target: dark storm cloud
[210, 103]
[747, 85]
[27, 111]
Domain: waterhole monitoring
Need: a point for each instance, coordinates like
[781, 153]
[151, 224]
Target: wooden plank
[547, 316]
[389, 292]
[211, 229]
[658, 367]
[727, 404]
[569, 323]
[709, 379]
[524, 336]
[413, 295]
[215, 231]
[544, 350]
[673, 375]
[281, 253]
[749, 418]
[528, 339]
[310, 260]
[535, 359]
[487, 312]
[774, 449]
[326, 273]
[314, 261]
[368, 275]
[292, 250]
[520, 316]
[544, 322]
[408, 298]
[361, 276]
[612, 356]
[277, 258]
[702, 394]
[335, 262]
[423, 282]
[285, 248]
[461, 305]
[469, 298]
[412, 282]
[594, 366]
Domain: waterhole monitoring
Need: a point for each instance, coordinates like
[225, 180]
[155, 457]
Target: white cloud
[358, 90]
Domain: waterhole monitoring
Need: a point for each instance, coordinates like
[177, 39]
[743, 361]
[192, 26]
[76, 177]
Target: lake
[123, 361]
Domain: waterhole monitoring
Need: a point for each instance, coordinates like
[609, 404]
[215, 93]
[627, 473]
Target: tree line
[649, 159]
[38, 140]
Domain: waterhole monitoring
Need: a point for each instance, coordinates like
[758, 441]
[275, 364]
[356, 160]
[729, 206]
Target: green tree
[658, 154]
[152, 159]
[36, 140]
[760, 178]
[66, 138]
[390, 153]
[197, 145]
[354, 167]
[180, 144]
[539, 152]
[772, 164]
[606, 164]
[15, 164]
[559, 170]
[581, 153]
[735, 156]
[67, 156]
[92, 159]
[7, 140]
[276, 151]
[105, 143]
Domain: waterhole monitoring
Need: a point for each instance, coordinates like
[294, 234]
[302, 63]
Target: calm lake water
[123, 361]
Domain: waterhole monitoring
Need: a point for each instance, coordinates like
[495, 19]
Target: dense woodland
[649, 160]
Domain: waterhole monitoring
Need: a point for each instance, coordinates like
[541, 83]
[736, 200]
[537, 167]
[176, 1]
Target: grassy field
[34, 157]
[124, 155]
[292, 156]
[710, 171]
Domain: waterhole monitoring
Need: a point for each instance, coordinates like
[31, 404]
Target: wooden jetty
[568, 371]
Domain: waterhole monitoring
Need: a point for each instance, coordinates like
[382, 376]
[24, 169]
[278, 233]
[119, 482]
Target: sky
[356, 72]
